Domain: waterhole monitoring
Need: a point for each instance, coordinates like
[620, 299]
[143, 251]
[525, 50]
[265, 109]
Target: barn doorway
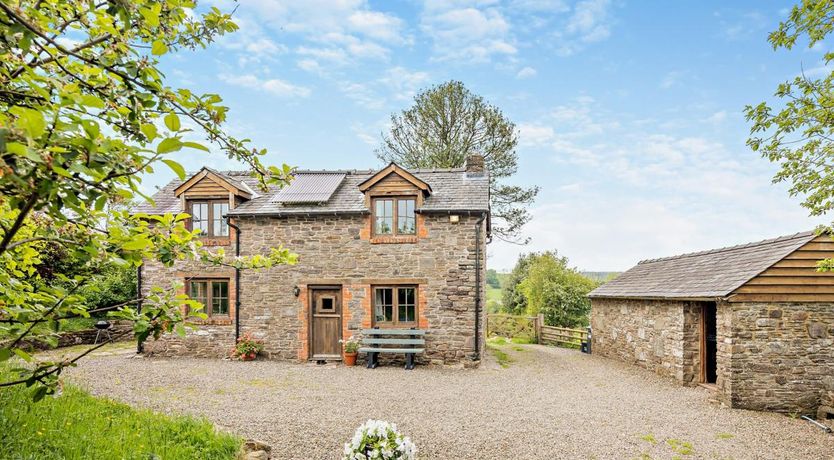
[709, 343]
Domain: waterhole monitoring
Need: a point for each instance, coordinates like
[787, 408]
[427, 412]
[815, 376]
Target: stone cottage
[389, 248]
[753, 322]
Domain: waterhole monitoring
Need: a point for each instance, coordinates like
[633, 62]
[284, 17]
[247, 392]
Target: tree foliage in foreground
[445, 125]
[84, 111]
[543, 283]
[798, 135]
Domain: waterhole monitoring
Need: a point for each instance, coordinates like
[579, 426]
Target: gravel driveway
[547, 403]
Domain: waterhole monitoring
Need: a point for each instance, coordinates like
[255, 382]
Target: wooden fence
[533, 329]
[563, 336]
[512, 326]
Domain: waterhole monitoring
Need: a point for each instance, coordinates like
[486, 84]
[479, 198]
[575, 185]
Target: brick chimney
[474, 165]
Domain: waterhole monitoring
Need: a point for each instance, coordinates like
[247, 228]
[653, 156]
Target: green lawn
[77, 425]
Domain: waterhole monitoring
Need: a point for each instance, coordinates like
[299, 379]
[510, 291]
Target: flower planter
[248, 357]
[350, 358]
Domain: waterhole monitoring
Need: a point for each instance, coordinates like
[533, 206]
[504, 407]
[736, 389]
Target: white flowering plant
[378, 439]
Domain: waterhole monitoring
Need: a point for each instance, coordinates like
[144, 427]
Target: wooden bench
[407, 341]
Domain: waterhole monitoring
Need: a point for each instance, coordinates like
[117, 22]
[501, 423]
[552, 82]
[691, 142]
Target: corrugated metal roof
[309, 188]
[707, 274]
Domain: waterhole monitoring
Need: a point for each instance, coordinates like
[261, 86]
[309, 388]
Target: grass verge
[494, 344]
[77, 425]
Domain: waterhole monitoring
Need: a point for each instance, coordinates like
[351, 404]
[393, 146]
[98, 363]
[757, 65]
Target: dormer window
[207, 217]
[394, 216]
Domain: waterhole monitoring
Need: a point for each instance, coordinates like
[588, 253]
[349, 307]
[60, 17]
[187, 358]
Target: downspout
[139, 345]
[237, 278]
[478, 237]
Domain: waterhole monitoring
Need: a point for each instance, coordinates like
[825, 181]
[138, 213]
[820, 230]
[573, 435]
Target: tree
[556, 291]
[799, 135]
[445, 125]
[84, 111]
[492, 279]
[513, 300]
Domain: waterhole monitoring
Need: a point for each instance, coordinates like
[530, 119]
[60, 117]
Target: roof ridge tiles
[768, 241]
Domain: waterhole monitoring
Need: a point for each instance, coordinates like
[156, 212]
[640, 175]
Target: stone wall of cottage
[337, 250]
[208, 339]
[781, 356]
[659, 335]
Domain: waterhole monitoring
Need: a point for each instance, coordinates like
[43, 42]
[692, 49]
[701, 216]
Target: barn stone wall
[659, 335]
[781, 356]
[337, 250]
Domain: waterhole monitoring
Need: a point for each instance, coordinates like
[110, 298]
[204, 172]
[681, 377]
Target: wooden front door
[325, 323]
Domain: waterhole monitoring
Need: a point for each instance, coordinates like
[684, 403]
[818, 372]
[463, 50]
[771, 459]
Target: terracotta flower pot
[350, 358]
[248, 357]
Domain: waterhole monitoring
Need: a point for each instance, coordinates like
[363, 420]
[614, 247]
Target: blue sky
[630, 114]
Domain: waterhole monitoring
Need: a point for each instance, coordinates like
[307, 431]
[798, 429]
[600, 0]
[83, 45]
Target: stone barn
[754, 322]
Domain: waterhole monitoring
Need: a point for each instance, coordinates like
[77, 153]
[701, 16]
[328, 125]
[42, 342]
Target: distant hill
[601, 276]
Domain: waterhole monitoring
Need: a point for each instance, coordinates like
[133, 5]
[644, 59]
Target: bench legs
[372, 360]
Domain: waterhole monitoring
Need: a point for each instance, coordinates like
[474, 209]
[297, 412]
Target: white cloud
[526, 72]
[273, 86]
[397, 83]
[338, 31]
[671, 79]
[531, 134]
[310, 65]
[745, 25]
[376, 25]
[637, 191]
[467, 32]
[589, 22]
[363, 95]
[717, 118]
[404, 83]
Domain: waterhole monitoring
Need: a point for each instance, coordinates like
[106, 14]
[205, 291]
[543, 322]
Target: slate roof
[707, 274]
[453, 190]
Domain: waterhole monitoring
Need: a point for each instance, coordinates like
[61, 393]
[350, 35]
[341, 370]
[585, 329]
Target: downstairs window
[395, 306]
[213, 294]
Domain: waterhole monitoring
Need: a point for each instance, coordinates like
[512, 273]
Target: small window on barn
[395, 306]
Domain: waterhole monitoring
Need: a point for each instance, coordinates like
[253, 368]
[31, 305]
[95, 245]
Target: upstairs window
[395, 306]
[213, 294]
[395, 216]
[207, 217]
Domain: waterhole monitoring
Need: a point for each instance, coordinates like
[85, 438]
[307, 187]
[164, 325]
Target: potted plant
[351, 350]
[247, 348]
[379, 439]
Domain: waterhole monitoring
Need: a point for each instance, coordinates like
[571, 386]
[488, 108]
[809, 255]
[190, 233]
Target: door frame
[702, 378]
[311, 308]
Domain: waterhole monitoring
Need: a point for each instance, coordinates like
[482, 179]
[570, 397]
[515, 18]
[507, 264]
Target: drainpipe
[139, 345]
[477, 355]
[237, 278]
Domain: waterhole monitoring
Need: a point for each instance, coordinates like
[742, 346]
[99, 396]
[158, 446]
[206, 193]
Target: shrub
[379, 439]
[247, 347]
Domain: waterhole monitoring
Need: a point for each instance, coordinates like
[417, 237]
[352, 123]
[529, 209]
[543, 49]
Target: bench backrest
[402, 338]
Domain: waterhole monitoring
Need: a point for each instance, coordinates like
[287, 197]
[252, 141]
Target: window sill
[391, 239]
[211, 322]
[383, 326]
[223, 241]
